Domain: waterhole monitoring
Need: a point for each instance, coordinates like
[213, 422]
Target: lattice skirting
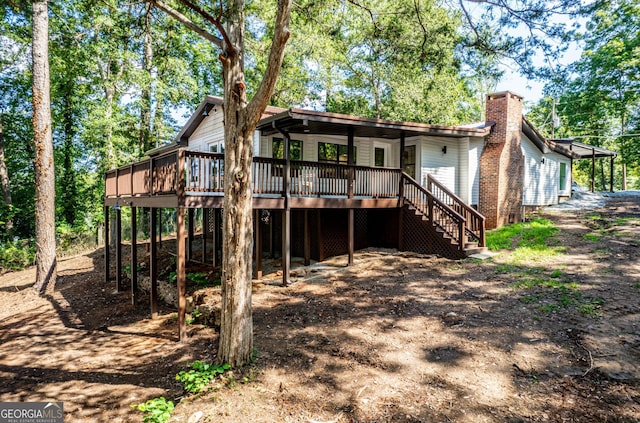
[419, 236]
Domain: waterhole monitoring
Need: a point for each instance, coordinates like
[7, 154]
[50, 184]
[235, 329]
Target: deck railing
[202, 173]
[474, 220]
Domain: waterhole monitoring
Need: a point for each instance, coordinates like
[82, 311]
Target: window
[216, 147]
[410, 160]
[563, 177]
[334, 153]
[378, 157]
[295, 149]
[277, 152]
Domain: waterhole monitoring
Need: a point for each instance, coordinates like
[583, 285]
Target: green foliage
[532, 234]
[17, 255]
[200, 375]
[156, 410]
[592, 237]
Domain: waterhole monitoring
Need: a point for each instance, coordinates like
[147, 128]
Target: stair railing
[438, 213]
[475, 228]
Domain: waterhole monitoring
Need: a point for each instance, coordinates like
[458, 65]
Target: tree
[46, 265]
[6, 188]
[240, 120]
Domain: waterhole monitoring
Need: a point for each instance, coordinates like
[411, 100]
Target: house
[326, 184]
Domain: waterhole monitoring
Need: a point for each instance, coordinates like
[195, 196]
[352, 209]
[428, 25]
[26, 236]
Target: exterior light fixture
[116, 206]
[444, 150]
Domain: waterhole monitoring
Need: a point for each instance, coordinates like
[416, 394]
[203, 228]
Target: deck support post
[191, 214]
[624, 176]
[258, 244]
[611, 174]
[181, 274]
[118, 250]
[307, 239]
[205, 233]
[593, 169]
[134, 255]
[401, 194]
[286, 213]
[350, 162]
[214, 238]
[153, 260]
[160, 228]
[107, 259]
[351, 236]
[286, 246]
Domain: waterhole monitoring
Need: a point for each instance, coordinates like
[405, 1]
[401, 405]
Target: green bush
[16, 255]
[156, 410]
[200, 375]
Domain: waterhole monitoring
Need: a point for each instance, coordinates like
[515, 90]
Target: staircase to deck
[435, 220]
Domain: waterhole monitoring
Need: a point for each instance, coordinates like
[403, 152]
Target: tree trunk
[145, 97]
[236, 326]
[6, 188]
[46, 268]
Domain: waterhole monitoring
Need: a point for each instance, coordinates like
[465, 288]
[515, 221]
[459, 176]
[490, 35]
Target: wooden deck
[191, 179]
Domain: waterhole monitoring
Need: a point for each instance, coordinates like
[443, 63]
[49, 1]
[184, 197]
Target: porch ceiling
[584, 151]
[296, 121]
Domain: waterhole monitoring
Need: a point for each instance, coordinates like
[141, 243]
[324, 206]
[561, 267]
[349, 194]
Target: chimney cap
[501, 94]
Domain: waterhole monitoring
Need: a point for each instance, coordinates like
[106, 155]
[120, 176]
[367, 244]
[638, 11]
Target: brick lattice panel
[421, 237]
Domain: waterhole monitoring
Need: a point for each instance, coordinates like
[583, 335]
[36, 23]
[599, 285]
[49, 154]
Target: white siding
[210, 130]
[476, 145]
[442, 166]
[541, 180]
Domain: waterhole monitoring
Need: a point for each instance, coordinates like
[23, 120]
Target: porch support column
[351, 162]
[401, 192]
[402, 141]
[593, 169]
[214, 238]
[106, 244]
[307, 239]
[205, 233]
[286, 213]
[118, 250]
[350, 226]
[258, 245]
[153, 260]
[160, 228]
[624, 176]
[191, 214]
[611, 174]
[134, 255]
[181, 274]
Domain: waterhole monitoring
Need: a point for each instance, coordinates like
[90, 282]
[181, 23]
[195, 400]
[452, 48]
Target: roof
[299, 121]
[584, 151]
[543, 144]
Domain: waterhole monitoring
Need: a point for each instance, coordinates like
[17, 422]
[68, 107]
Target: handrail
[436, 211]
[475, 221]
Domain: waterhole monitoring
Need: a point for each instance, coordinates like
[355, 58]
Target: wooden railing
[474, 220]
[204, 173]
[437, 213]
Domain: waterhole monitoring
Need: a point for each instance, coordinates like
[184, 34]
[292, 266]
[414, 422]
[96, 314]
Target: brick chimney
[502, 162]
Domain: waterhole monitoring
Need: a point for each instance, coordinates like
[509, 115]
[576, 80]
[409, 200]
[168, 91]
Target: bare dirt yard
[398, 337]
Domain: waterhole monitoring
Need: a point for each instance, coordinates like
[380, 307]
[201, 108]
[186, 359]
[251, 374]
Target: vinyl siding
[476, 145]
[210, 130]
[442, 166]
[541, 180]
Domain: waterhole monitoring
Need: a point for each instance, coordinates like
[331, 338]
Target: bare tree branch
[215, 21]
[280, 36]
[187, 22]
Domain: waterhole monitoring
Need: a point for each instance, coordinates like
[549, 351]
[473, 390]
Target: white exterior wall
[442, 166]
[476, 145]
[541, 180]
[210, 130]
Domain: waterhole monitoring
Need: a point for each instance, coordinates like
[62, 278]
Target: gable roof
[543, 144]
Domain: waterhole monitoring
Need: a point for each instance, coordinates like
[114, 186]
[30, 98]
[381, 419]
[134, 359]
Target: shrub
[16, 255]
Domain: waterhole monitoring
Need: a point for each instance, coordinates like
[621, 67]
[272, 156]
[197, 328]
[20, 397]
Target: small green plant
[199, 278]
[193, 316]
[156, 410]
[556, 273]
[200, 375]
[592, 237]
[636, 285]
[17, 255]
[173, 277]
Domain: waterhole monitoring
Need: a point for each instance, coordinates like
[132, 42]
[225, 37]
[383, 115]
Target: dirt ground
[398, 337]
